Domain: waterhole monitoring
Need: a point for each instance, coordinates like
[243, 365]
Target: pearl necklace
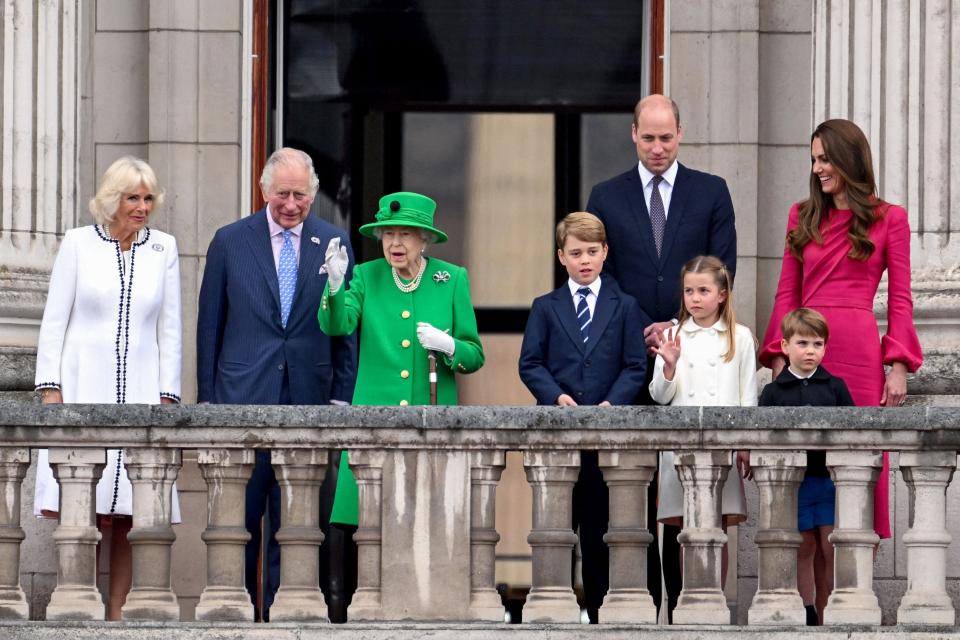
[409, 288]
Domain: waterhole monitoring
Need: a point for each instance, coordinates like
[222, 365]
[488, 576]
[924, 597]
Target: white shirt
[591, 299]
[666, 185]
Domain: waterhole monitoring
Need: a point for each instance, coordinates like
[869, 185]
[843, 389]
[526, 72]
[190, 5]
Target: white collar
[669, 176]
[801, 377]
[593, 286]
[691, 326]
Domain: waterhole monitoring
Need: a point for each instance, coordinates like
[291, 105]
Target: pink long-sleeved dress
[843, 289]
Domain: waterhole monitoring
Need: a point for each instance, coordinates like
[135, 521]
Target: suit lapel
[257, 235]
[637, 203]
[311, 254]
[603, 311]
[678, 199]
[566, 314]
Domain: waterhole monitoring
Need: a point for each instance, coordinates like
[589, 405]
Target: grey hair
[425, 235]
[288, 156]
[125, 175]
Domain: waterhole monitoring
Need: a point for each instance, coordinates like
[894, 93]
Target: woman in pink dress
[839, 242]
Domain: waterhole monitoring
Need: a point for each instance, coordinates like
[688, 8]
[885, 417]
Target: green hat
[405, 209]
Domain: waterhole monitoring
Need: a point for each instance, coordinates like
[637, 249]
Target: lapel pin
[315, 240]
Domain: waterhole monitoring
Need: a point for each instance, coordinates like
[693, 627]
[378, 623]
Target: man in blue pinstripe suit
[258, 340]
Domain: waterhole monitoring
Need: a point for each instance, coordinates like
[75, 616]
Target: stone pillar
[485, 470]
[628, 475]
[897, 88]
[853, 601]
[927, 475]
[702, 474]
[152, 472]
[367, 466]
[76, 596]
[13, 466]
[300, 473]
[226, 472]
[778, 475]
[551, 475]
[39, 106]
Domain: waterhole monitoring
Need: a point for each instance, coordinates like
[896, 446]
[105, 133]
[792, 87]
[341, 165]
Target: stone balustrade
[427, 481]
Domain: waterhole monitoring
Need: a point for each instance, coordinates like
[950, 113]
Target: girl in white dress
[707, 360]
[111, 334]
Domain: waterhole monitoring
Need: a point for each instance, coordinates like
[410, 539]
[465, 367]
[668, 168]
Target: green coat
[393, 367]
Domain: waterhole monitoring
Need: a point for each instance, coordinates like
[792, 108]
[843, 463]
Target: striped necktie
[583, 313]
[287, 276]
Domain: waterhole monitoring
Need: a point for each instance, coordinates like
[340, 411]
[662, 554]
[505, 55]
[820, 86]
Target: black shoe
[812, 620]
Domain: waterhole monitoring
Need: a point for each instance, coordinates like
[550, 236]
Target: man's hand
[653, 332]
[335, 261]
[564, 400]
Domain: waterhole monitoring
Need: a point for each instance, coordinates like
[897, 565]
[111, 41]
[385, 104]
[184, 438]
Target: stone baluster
[152, 472]
[552, 474]
[76, 596]
[778, 475]
[702, 474]
[13, 466]
[927, 474]
[226, 472]
[628, 475]
[299, 473]
[485, 470]
[367, 466]
[853, 602]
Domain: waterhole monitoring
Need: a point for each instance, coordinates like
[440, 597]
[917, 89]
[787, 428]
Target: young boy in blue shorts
[804, 383]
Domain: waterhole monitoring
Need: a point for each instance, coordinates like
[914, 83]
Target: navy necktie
[658, 217]
[287, 276]
[583, 313]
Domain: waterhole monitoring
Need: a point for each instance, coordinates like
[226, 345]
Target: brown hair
[847, 149]
[724, 282]
[581, 225]
[804, 322]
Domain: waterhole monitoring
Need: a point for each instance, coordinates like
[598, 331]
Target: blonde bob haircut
[125, 175]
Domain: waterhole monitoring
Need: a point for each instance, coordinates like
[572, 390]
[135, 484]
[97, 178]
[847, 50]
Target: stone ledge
[402, 630]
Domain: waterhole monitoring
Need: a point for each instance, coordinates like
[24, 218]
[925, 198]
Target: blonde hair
[721, 277]
[804, 322]
[125, 175]
[582, 226]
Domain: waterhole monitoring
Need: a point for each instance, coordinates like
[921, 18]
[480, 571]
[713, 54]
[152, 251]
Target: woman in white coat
[111, 334]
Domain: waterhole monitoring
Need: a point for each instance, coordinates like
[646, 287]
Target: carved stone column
[152, 472]
[226, 472]
[13, 466]
[927, 475]
[552, 474]
[853, 601]
[778, 475]
[367, 466]
[628, 474]
[485, 470]
[76, 596]
[702, 474]
[300, 473]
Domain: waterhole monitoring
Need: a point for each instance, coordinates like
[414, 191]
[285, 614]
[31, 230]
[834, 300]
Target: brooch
[314, 239]
[157, 246]
[441, 276]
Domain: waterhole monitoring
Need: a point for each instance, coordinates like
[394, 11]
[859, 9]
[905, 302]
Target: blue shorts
[816, 503]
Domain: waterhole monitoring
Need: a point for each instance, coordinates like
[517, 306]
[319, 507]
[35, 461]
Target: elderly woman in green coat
[405, 305]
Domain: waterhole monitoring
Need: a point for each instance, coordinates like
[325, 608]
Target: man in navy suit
[582, 346]
[660, 214]
[258, 340]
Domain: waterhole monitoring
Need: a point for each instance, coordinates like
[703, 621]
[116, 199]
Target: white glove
[335, 263]
[432, 339]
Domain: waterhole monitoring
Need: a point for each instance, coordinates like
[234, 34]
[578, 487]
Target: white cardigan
[703, 379]
[111, 333]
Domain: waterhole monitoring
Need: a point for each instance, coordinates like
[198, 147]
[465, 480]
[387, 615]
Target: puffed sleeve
[56, 314]
[468, 353]
[169, 329]
[900, 344]
[662, 390]
[339, 313]
[788, 296]
[747, 358]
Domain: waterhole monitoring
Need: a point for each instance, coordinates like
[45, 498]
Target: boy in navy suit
[584, 345]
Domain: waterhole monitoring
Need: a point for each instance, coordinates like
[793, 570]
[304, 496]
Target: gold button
[404, 403]
[405, 315]
[404, 374]
[405, 344]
